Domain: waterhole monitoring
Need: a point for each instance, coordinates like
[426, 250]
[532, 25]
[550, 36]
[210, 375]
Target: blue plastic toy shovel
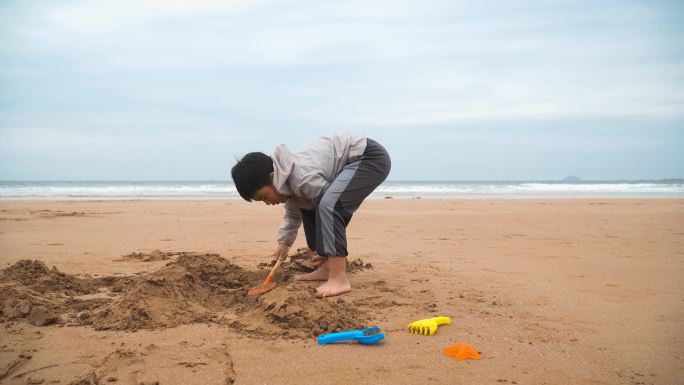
[368, 336]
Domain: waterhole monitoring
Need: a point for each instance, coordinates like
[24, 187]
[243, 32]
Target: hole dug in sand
[194, 288]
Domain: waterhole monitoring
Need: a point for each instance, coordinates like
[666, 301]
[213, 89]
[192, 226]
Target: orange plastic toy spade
[462, 351]
[267, 285]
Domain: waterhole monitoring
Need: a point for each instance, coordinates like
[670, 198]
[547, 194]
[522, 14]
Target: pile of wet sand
[193, 288]
[188, 290]
[36, 275]
[29, 289]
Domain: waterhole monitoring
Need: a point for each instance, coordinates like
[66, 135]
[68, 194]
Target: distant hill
[572, 178]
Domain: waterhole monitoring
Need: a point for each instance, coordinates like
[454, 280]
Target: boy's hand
[281, 251]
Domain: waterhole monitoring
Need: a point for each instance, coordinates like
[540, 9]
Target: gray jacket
[304, 174]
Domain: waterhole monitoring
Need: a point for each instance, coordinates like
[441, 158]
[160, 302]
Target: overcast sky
[166, 90]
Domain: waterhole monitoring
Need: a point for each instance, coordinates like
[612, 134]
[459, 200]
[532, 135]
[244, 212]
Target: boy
[321, 185]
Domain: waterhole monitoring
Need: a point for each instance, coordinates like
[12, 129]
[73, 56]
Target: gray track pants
[326, 226]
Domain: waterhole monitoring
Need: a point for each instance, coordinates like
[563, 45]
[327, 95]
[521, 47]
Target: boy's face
[269, 195]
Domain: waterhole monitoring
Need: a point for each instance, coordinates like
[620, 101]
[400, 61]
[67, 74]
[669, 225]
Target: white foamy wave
[615, 188]
[399, 189]
[525, 189]
[120, 190]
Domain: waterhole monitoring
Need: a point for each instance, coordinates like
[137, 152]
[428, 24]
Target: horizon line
[672, 179]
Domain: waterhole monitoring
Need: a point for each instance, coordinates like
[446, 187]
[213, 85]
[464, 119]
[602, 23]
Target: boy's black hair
[251, 173]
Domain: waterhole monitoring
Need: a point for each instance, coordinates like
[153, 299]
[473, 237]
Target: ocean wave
[226, 190]
[531, 188]
[117, 191]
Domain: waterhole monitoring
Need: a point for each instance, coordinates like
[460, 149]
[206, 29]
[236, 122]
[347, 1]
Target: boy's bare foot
[318, 275]
[337, 278]
[334, 287]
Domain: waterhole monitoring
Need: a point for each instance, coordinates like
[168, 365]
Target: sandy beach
[153, 291]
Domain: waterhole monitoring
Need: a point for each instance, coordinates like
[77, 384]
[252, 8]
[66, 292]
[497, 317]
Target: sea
[125, 190]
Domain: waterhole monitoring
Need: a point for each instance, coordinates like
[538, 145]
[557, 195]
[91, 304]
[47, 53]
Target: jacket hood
[283, 163]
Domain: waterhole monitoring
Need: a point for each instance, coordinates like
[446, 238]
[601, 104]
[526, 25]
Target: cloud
[249, 72]
[426, 68]
[101, 16]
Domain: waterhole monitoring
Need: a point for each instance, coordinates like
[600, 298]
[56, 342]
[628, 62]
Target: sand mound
[36, 275]
[193, 288]
[28, 289]
[16, 302]
[197, 288]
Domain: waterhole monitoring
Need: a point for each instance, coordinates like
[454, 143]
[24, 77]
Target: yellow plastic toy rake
[428, 326]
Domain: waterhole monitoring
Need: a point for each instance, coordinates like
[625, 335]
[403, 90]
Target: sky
[455, 90]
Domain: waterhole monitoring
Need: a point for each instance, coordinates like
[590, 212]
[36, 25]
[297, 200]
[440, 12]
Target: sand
[549, 291]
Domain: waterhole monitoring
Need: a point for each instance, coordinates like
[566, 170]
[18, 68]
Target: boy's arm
[290, 225]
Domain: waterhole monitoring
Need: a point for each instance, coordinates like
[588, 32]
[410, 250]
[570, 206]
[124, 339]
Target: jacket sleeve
[290, 225]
